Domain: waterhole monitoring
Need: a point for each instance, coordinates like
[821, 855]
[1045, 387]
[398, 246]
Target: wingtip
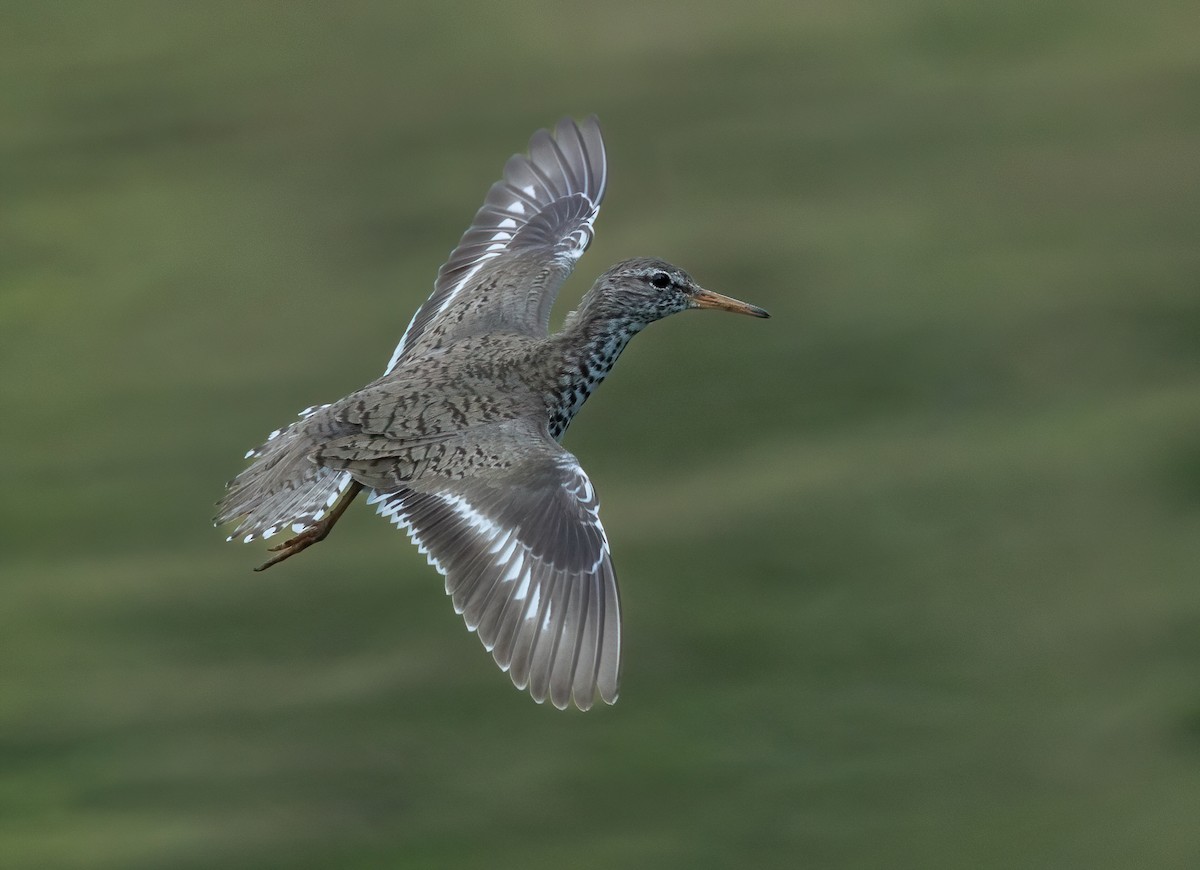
[589, 120]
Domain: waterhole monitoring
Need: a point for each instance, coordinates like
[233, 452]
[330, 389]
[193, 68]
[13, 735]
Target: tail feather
[282, 488]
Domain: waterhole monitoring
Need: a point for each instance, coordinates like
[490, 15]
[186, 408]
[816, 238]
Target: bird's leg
[315, 533]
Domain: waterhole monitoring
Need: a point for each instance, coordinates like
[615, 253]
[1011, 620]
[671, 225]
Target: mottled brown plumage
[458, 441]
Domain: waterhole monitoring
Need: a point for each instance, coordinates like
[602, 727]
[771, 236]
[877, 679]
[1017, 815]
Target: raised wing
[520, 544]
[534, 225]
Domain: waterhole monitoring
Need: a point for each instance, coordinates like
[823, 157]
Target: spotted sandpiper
[458, 442]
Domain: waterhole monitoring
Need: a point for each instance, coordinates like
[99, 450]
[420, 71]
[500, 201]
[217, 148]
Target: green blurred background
[909, 571]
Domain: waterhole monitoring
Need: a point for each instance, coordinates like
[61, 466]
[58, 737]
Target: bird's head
[647, 289]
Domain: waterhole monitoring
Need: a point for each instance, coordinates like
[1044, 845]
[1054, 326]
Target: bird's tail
[282, 489]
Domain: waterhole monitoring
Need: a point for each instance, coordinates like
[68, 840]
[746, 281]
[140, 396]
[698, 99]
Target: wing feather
[535, 223]
[527, 566]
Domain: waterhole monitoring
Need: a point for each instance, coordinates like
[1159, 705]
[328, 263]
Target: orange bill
[708, 299]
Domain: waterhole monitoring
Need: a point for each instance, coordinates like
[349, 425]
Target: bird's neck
[585, 351]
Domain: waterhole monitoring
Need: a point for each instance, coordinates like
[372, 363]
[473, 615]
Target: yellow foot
[295, 545]
[315, 533]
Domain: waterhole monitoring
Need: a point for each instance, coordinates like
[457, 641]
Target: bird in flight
[458, 443]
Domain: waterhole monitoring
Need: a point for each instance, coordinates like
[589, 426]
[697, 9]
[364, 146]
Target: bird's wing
[512, 522]
[534, 225]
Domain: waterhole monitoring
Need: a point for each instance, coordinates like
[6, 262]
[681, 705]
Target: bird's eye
[661, 280]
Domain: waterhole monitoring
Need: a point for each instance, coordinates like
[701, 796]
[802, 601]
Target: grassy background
[909, 571]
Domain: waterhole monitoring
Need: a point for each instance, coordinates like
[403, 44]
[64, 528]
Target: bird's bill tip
[708, 299]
